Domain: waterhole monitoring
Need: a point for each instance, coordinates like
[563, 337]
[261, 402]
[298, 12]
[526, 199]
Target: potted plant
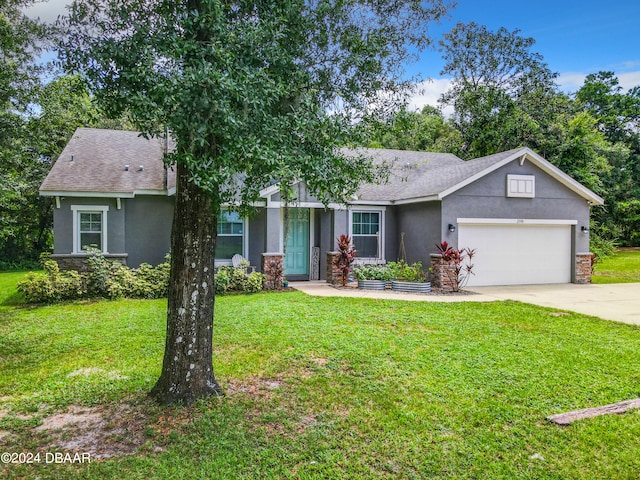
[372, 277]
[408, 278]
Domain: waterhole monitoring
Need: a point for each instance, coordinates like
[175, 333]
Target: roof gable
[441, 178]
[483, 166]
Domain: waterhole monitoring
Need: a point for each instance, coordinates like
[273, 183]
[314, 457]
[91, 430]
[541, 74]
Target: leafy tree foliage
[501, 91]
[20, 42]
[58, 108]
[253, 93]
[422, 131]
[617, 115]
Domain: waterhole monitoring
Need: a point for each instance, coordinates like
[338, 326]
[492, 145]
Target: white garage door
[518, 253]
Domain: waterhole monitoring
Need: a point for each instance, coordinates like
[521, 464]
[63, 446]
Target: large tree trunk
[187, 370]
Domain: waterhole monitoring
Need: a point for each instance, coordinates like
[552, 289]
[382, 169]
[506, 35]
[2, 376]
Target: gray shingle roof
[423, 174]
[100, 156]
[99, 160]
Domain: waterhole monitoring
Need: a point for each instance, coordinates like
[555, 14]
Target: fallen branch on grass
[570, 417]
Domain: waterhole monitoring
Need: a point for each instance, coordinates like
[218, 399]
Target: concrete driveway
[619, 302]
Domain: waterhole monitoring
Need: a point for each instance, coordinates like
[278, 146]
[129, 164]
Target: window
[230, 235]
[89, 227]
[366, 233]
[90, 230]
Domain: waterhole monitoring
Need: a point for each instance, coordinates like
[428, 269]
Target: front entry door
[296, 259]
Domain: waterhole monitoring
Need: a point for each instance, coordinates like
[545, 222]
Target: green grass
[363, 388]
[621, 267]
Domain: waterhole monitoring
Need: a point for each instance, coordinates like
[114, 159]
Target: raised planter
[372, 284]
[401, 286]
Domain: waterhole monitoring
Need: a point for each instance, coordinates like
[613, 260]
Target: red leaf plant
[346, 258]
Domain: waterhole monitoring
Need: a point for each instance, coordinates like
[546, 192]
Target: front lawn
[330, 388]
[621, 267]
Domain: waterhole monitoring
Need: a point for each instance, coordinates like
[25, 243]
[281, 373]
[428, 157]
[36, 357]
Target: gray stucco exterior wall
[257, 235]
[147, 228]
[324, 228]
[272, 234]
[340, 226]
[63, 224]
[486, 198]
[391, 233]
[420, 223]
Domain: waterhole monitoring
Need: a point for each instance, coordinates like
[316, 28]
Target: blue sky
[575, 37]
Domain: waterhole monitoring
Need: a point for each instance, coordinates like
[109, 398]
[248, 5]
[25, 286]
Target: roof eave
[75, 193]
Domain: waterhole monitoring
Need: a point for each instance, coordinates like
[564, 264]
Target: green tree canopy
[253, 93]
[21, 40]
[617, 115]
[502, 92]
[422, 131]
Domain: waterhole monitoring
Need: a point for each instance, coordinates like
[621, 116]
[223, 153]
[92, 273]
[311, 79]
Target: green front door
[296, 259]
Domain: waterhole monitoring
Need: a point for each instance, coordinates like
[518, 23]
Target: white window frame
[381, 233]
[245, 242]
[76, 211]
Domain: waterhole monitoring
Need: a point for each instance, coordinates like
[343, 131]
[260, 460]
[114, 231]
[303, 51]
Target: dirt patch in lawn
[102, 432]
[107, 431]
[255, 387]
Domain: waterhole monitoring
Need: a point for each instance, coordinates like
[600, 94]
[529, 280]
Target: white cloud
[571, 81]
[428, 92]
[629, 80]
[47, 10]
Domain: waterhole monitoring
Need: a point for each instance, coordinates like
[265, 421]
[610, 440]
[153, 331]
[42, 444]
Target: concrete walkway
[618, 302]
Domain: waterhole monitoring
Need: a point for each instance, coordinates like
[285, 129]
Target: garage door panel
[516, 254]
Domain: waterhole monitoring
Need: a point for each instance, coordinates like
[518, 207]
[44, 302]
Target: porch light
[452, 227]
[584, 229]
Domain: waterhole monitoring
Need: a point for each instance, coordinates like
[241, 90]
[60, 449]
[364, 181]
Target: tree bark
[187, 370]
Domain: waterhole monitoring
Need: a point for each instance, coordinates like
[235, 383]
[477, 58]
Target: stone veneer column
[439, 278]
[334, 274]
[584, 267]
[271, 262]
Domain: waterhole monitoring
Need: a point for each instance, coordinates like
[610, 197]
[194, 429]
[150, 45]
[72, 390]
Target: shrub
[121, 282]
[601, 245]
[24, 264]
[100, 270]
[150, 282]
[236, 279]
[110, 279]
[255, 282]
[51, 286]
[222, 281]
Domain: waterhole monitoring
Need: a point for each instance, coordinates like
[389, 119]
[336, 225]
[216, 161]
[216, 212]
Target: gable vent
[521, 186]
